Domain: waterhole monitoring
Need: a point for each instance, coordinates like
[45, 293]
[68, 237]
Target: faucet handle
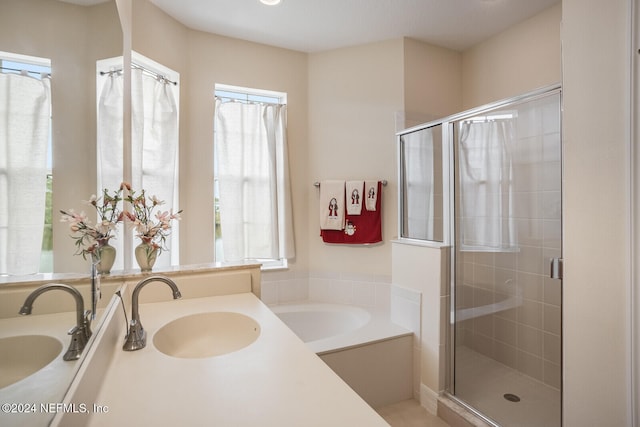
[87, 323]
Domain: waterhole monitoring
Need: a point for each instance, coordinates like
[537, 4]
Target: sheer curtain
[109, 137]
[154, 142]
[154, 145]
[253, 178]
[24, 119]
[486, 185]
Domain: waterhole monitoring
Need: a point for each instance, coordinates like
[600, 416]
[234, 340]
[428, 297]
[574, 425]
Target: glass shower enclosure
[501, 194]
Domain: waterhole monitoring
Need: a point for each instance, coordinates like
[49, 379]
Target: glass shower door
[507, 316]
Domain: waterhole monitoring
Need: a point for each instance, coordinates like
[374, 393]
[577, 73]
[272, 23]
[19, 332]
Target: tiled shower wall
[527, 336]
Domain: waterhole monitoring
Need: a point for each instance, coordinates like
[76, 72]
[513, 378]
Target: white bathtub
[313, 322]
[369, 352]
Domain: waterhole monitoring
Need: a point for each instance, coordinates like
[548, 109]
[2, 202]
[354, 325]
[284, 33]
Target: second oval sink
[206, 335]
[24, 355]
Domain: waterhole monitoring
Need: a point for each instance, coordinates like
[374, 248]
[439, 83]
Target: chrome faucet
[136, 336]
[80, 333]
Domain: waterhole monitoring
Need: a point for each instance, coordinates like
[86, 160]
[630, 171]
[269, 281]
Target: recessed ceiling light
[270, 2]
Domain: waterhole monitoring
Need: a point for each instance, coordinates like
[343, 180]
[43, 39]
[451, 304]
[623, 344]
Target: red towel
[359, 229]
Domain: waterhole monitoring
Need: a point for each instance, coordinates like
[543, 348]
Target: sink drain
[511, 397]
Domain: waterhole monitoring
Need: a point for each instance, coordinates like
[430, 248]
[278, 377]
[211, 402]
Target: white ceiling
[318, 25]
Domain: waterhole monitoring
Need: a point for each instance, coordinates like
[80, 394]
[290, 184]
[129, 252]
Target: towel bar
[384, 183]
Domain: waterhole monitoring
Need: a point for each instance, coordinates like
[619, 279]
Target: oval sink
[206, 335]
[24, 355]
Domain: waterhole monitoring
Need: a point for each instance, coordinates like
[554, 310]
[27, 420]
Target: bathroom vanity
[259, 373]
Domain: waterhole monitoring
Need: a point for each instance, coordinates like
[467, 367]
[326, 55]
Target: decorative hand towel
[371, 188]
[332, 205]
[362, 229]
[354, 197]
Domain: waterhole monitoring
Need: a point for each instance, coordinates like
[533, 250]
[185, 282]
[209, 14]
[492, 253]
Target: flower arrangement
[152, 229]
[88, 237]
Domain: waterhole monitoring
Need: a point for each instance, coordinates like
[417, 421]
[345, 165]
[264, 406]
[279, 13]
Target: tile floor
[409, 413]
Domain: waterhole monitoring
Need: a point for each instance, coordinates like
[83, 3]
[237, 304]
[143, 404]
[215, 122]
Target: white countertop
[275, 381]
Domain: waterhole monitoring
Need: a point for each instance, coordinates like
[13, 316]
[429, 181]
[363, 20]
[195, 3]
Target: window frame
[245, 95]
[34, 65]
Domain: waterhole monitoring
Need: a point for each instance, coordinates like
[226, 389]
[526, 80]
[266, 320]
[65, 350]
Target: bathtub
[368, 351]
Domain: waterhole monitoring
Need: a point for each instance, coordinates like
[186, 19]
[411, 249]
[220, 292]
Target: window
[252, 196]
[26, 244]
[422, 185]
[155, 98]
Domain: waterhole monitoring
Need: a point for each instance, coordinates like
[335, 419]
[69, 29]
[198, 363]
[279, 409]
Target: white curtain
[486, 186]
[25, 121]
[154, 145]
[253, 178]
[109, 137]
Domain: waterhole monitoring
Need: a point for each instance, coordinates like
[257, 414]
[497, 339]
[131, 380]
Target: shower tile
[483, 276]
[530, 340]
[551, 118]
[483, 325]
[530, 314]
[483, 345]
[529, 122]
[552, 233]
[482, 297]
[506, 260]
[551, 318]
[506, 331]
[530, 259]
[505, 282]
[484, 258]
[552, 375]
[552, 348]
[552, 291]
[531, 365]
[551, 176]
[510, 314]
[531, 286]
[506, 354]
[527, 204]
[526, 177]
[530, 231]
[551, 205]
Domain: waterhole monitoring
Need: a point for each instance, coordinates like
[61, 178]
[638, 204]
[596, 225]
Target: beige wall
[432, 77]
[596, 205]
[354, 94]
[215, 59]
[518, 60]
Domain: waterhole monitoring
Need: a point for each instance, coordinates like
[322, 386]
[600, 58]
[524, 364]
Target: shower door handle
[556, 268]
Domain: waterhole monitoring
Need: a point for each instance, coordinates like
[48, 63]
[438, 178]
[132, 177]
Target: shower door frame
[448, 148]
